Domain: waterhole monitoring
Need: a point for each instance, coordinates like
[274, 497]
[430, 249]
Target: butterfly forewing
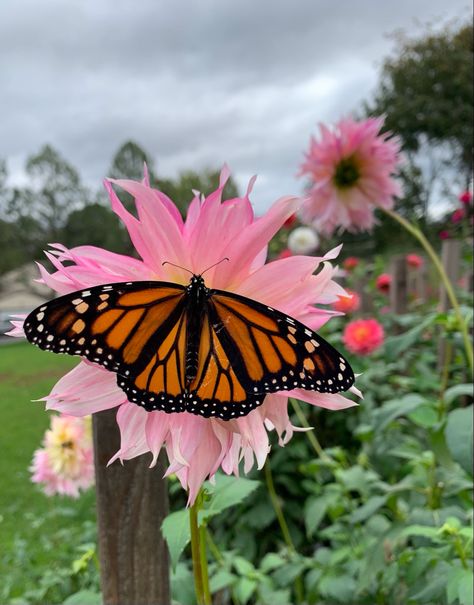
[115, 325]
[273, 352]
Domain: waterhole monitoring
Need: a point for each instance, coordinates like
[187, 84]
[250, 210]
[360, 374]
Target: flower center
[347, 173]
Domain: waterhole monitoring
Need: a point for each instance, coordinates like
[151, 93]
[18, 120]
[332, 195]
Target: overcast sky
[195, 83]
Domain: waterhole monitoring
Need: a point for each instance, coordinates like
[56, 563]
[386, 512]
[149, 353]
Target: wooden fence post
[399, 285]
[451, 259]
[132, 502]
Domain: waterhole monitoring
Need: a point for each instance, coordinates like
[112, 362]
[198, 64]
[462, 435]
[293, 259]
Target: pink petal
[131, 419]
[330, 401]
[156, 430]
[84, 390]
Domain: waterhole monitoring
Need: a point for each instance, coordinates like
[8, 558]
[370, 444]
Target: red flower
[465, 197]
[363, 336]
[444, 234]
[350, 263]
[383, 282]
[285, 253]
[347, 304]
[414, 260]
[458, 215]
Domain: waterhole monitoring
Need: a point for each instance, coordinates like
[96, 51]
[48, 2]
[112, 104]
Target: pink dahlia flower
[196, 446]
[383, 282]
[415, 261]
[65, 463]
[363, 336]
[351, 170]
[348, 303]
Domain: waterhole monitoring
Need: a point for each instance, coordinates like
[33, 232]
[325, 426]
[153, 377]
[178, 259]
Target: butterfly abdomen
[197, 295]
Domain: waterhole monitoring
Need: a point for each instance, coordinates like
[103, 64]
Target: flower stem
[198, 552]
[309, 434]
[283, 526]
[444, 278]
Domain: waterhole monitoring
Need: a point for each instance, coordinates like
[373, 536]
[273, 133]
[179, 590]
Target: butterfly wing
[271, 351]
[120, 326]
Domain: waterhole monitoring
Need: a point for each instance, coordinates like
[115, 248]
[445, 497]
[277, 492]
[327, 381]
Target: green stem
[310, 435]
[448, 354]
[444, 278]
[201, 580]
[216, 553]
[283, 526]
[204, 570]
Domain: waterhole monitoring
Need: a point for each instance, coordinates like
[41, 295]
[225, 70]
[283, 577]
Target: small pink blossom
[465, 198]
[383, 282]
[444, 234]
[65, 463]
[348, 303]
[351, 170]
[213, 229]
[363, 336]
[350, 263]
[458, 215]
[415, 261]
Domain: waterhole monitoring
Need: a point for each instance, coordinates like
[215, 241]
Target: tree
[95, 225]
[55, 191]
[426, 94]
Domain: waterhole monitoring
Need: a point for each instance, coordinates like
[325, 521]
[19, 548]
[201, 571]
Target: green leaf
[395, 408]
[424, 415]
[244, 589]
[340, 587]
[458, 390]
[452, 587]
[84, 597]
[395, 345]
[177, 534]
[421, 530]
[271, 561]
[368, 509]
[227, 492]
[465, 592]
[459, 436]
[243, 566]
[314, 510]
[222, 579]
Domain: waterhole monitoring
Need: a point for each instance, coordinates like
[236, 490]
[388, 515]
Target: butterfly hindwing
[271, 351]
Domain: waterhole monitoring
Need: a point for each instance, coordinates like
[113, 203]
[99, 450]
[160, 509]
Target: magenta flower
[458, 215]
[383, 282]
[351, 170]
[65, 463]
[465, 198]
[196, 446]
[363, 336]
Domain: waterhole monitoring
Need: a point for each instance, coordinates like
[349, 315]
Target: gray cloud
[196, 83]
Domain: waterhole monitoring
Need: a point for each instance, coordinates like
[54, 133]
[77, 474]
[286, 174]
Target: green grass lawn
[31, 524]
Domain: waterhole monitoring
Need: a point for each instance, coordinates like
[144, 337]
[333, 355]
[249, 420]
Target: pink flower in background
[444, 234]
[458, 215]
[196, 446]
[290, 221]
[350, 263]
[347, 304]
[65, 463]
[351, 170]
[363, 336]
[465, 198]
[383, 282]
[415, 261]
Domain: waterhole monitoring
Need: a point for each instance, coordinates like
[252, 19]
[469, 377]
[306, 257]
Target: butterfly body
[179, 348]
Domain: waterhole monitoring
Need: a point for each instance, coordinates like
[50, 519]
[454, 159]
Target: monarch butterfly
[189, 348]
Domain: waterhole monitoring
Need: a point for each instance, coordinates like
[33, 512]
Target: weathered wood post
[132, 502]
[399, 285]
[451, 259]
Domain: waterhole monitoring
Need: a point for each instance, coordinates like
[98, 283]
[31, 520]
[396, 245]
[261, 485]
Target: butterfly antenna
[215, 264]
[166, 262]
